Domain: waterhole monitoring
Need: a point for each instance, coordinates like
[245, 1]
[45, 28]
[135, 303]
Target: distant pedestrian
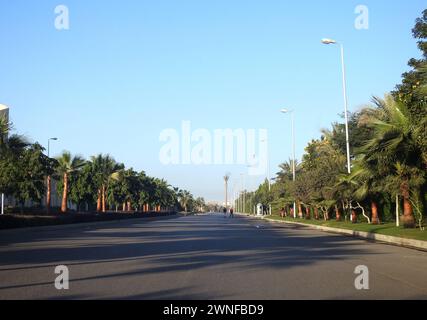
[231, 213]
[225, 212]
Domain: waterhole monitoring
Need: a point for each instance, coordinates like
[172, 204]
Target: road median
[11, 223]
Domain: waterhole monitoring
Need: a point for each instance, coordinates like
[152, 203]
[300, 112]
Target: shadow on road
[174, 245]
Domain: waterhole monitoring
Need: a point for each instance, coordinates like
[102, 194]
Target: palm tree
[164, 195]
[67, 164]
[369, 182]
[105, 169]
[394, 141]
[145, 194]
[200, 203]
[184, 197]
[286, 173]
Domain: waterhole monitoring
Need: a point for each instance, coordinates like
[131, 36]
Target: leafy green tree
[184, 198]
[104, 170]
[200, 204]
[131, 187]
[412, 91]
[147, 190]
[82, 187]
[11, 151]
[369, 175]
[30, 168]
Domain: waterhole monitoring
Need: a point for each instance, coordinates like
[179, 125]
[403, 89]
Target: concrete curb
[396, 241]
[84, 224]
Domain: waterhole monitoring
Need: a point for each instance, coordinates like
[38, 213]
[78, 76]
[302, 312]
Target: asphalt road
[204, 257]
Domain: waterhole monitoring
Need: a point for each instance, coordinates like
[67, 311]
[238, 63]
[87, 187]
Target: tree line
[100, 183]
[389, 160]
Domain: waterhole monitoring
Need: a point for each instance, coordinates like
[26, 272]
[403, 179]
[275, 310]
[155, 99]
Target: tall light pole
[49, 179]
[294, 174]
[268, 173]
[242, 176]
[344, 81]
[226, 178]
[48, 145]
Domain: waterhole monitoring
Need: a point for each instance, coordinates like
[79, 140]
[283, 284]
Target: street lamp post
[48, 145]
[242, 175]
[49, 180]
[268, 173]
[293, 152]
[344, 80]
[226, 179]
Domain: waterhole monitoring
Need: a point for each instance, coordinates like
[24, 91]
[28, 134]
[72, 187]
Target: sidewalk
[396, 241]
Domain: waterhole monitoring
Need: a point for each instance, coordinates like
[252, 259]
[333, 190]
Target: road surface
[204, 257]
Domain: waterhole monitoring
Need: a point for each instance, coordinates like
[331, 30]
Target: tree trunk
[374, 209]
[300, 210]
[48, 194]
[98, 202]
[337, 213]
[307, 213]
[103, 199]
[65, 194]
[316, 213]
[353, 216]
[408, 214]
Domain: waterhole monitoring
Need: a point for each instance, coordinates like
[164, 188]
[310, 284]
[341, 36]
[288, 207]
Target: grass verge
[388, 229]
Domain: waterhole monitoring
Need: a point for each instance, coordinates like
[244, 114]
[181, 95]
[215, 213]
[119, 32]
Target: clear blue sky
[126, 70]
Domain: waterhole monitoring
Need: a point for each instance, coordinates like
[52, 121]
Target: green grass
[388, 229]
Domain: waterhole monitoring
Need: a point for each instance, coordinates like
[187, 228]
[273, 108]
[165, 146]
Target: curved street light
[287, 111]
[49, 182]
[347, 135]
[48, 145]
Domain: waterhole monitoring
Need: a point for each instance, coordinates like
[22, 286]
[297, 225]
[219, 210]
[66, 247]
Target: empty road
[203, 257]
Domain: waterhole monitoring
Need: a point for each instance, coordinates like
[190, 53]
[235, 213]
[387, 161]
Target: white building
[4, 112]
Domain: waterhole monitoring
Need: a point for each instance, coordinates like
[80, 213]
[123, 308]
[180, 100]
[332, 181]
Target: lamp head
[328, 41]
[285, 111]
